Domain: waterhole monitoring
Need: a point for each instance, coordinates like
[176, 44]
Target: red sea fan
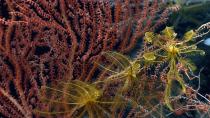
[46, 40]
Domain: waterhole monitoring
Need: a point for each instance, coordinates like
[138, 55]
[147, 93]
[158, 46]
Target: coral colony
[70, 59]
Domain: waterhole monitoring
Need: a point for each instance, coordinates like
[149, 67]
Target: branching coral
[42, 40]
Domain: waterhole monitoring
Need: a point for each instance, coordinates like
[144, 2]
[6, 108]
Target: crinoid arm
[119, 59]
[59, 99]
[187, 63]
[69, 97]
[193, 52]
[149, 37]
[169, 33]
[167, 95]
[118, 67]
[150, 56]
[188, 36]
[115, 65]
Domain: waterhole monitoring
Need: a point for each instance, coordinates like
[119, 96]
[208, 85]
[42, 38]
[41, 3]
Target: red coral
[46, 40]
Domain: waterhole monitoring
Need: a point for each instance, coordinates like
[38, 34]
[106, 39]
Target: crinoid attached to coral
[75, 99]
[121, 68]
[169, 49]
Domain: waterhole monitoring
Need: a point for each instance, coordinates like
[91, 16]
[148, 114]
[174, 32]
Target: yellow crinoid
[121, 68]
[168, 48]
[74, 99]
